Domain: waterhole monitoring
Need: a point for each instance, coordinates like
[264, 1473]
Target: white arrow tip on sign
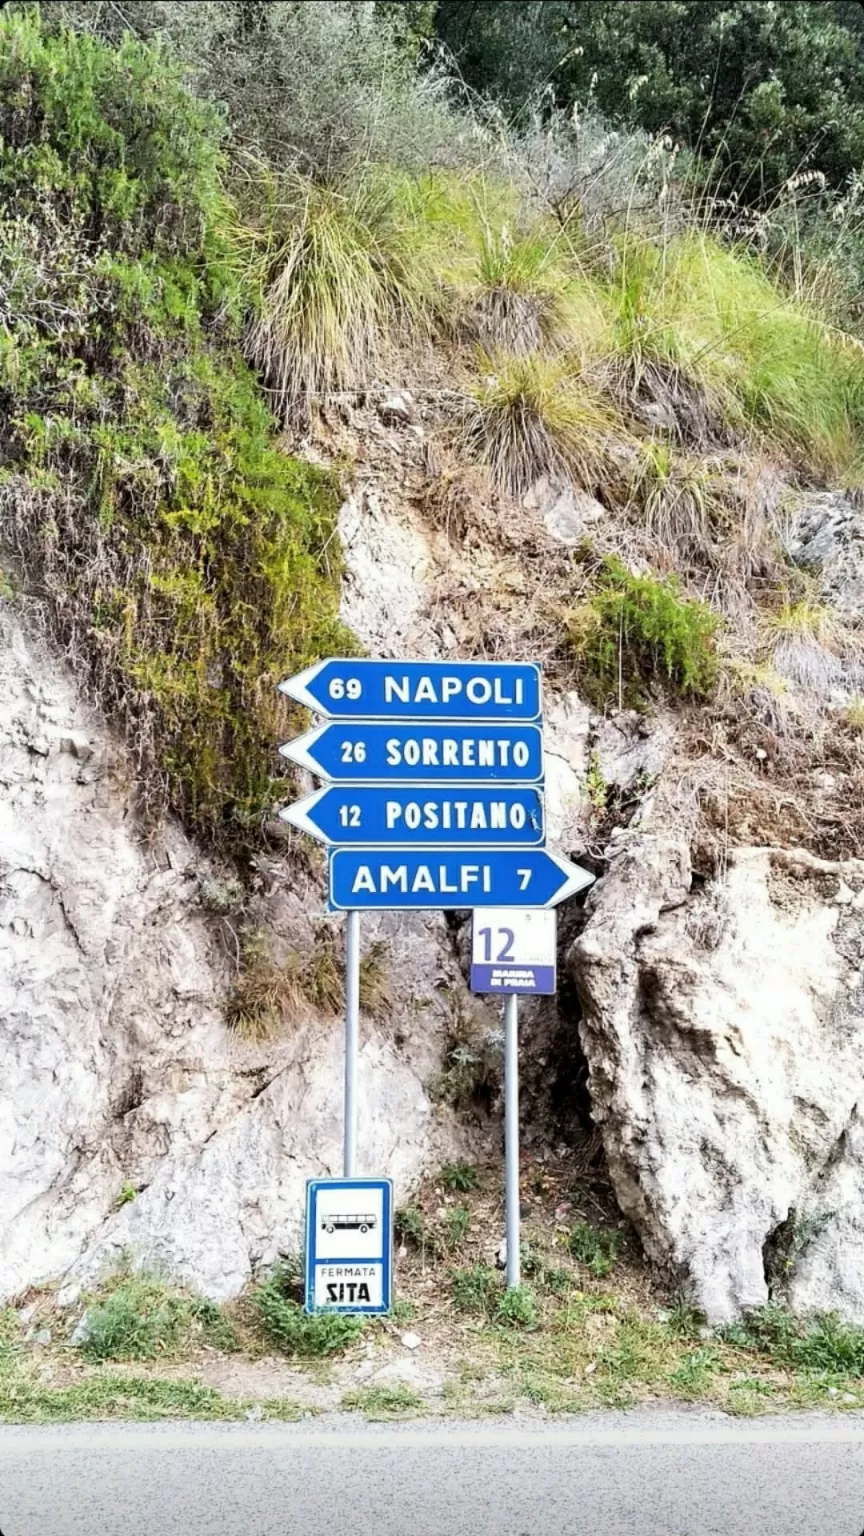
[298, 687]
[577, 879]
[297, 815]
[299, 750]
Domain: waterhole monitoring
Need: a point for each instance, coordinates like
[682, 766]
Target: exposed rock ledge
[115, 1065]
[724, 1030]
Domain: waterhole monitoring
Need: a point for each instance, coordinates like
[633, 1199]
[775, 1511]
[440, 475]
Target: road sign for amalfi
[372, 752]
[402, 879]
[432, 801]
[431, 817]
[346, 689]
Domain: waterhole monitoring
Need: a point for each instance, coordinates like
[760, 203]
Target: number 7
[525, 877]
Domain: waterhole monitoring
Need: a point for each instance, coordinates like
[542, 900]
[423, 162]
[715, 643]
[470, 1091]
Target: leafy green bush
[639, 631]
[295, 1332]
[596, 1249]
[141, 1318]
[186, 563]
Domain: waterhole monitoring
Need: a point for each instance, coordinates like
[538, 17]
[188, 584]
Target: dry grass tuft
[268, 995]
[532, 417]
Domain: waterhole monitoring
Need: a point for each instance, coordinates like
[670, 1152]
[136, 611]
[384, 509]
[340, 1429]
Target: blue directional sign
[421, 754]
[403, 879]
[421, 817]
[419, 690]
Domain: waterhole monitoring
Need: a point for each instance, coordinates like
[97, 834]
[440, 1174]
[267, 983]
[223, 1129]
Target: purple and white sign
[513, 951]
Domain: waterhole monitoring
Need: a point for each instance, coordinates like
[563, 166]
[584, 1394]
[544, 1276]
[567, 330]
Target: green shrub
[141, 1318]
[640, 631]
[295, 1332]
[821, 1342]
[596, 1249]
[187, 565]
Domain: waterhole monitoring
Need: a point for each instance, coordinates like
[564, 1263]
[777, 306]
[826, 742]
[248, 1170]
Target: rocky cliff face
[117, 1072]
[722, 1015]
[724, 1028]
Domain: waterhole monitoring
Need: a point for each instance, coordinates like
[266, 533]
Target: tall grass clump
[530, 416]
[694, 315]
[342, 277]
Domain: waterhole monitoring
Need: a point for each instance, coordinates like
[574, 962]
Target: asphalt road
[636, 1475]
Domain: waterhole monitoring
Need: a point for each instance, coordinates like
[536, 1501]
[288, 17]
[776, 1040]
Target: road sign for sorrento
[372, 752]
[347, 689]
[434, 817]
[400, 879]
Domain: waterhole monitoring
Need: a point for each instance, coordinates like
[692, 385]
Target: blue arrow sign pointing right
[402, 879]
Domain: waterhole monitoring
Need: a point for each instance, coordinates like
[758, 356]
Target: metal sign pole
[352, 1039]
[511, 1137]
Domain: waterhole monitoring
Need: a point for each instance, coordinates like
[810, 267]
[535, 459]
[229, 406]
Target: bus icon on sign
[352, 1223]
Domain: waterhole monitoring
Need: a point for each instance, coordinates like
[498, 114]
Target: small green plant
[516, 1308]
[456, 1220]
[854, 713]
[410, 1226]
[596, 1249]
[683, 1319]
[460, 1177]
[127, 1194]
[141, 1318]
[690, 1379]
[285, 1324]
[639, 631]
[475, 1288]
[382, 1402]
[596, 787]
[403, 1311]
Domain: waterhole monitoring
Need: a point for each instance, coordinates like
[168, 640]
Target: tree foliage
[760, 90]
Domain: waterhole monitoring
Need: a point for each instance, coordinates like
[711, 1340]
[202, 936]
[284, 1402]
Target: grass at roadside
[588, 1329]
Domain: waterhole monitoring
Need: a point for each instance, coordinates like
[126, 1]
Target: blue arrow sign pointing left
[418, 690]
[425, 816]
[403, 879]
[421, 754]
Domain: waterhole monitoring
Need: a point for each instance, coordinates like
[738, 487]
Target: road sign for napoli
[404, 880]
[349, 1245]
[426, 818]
[420, 754]
[418, 690]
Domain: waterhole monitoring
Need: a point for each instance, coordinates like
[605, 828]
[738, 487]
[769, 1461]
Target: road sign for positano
[433, 800]
[372, 815]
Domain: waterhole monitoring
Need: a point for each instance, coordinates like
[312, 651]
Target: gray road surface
[610, 1475]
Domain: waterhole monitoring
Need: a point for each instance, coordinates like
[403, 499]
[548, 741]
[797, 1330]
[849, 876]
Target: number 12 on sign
[513, 952]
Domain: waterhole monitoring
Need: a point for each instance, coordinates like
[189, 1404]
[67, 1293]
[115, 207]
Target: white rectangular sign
[349, 1245]
[513, 951]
